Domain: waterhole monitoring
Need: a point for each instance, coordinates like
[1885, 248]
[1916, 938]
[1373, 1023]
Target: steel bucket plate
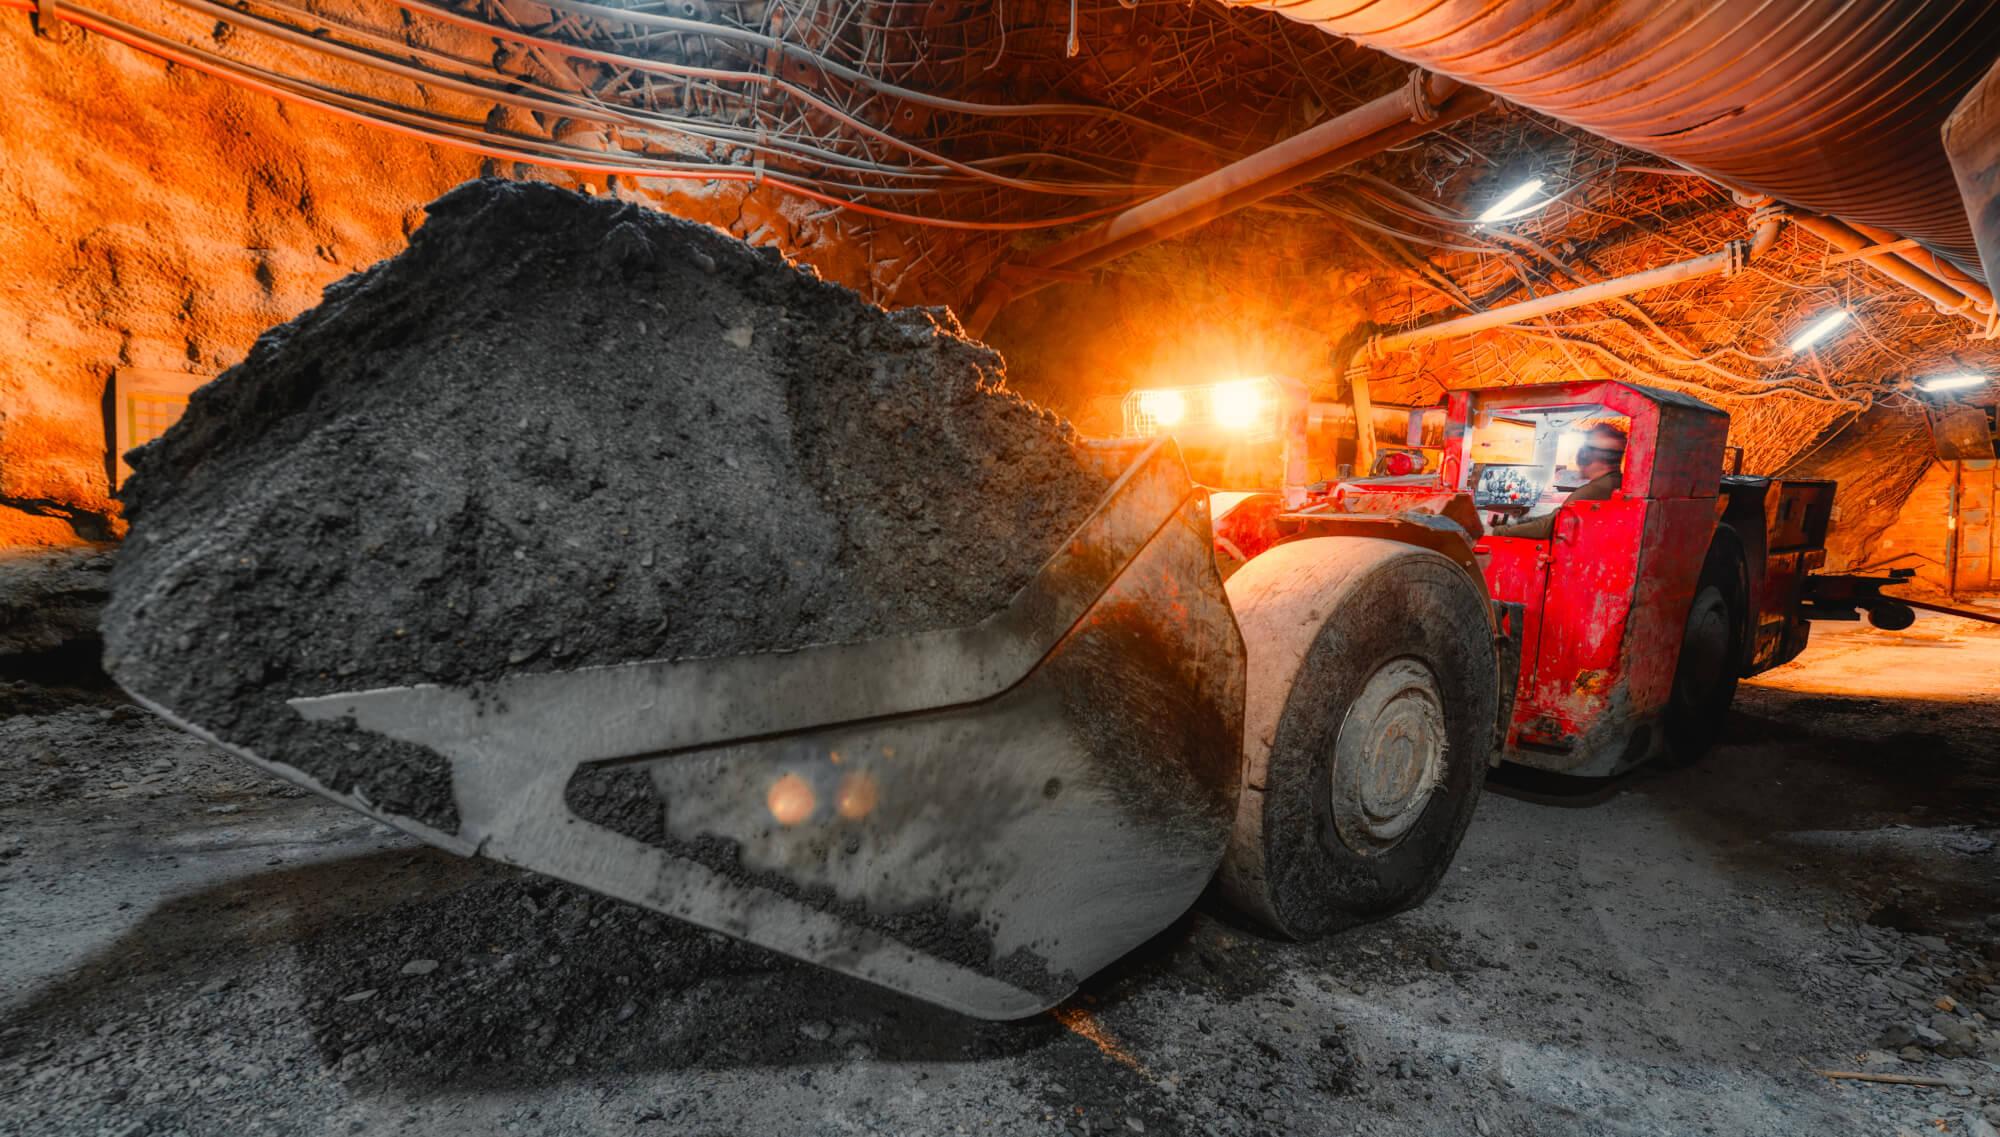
[979, 817]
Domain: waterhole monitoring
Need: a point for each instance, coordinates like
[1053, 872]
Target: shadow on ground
[1883, 798]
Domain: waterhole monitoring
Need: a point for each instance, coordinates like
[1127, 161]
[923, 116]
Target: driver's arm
[1537, 529]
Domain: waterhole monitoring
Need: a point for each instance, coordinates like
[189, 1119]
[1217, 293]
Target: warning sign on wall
[145, 403]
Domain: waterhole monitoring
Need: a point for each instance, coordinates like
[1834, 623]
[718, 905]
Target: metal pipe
[1728, 259]
[1293, 162]
[1930, 264]
[1835, 107]
[1840, 236]
[1420, 106]
[1963, 613]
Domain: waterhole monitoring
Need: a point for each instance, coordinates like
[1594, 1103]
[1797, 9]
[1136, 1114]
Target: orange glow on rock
[1085, 1025]
[791, 800]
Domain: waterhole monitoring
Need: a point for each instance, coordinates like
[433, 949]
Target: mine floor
[189, 947]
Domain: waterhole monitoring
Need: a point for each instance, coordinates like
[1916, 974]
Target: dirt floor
[191, 948]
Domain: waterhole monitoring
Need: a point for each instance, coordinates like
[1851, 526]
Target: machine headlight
[1164, 409]
[1237, 409]
[1238, 406]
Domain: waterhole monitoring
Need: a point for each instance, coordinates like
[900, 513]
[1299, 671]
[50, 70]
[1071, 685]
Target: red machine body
[1598, 612]
[1605, 600]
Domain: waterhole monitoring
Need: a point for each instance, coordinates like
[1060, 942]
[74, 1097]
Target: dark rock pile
[560, 431]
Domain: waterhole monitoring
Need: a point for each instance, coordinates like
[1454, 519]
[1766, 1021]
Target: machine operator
[1601, 459]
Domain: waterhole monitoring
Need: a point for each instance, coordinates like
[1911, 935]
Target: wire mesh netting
[938, 137]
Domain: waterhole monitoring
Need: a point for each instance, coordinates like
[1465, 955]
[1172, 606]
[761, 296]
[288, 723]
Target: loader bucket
[978, 817]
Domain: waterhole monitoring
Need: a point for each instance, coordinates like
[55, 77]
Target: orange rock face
[156, 219]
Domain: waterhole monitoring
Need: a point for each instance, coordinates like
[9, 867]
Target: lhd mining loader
[1293, 691]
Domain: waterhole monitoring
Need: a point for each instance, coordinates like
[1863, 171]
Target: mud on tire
[1368, 730]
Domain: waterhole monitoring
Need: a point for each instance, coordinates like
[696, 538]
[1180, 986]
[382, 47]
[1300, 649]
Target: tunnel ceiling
[1836, 107]
[940, 139]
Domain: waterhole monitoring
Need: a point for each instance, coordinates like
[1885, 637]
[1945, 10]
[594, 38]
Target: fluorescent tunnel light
[1950, 382]
[1820, 329]
[1503, 209]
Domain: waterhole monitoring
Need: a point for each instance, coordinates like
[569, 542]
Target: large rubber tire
[1711, 655]
[1368, 728]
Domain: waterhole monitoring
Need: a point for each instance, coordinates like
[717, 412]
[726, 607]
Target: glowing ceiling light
[1950, 382]
[1237, 405]
[1819, 329]
[1165, 408]
[1508, 206]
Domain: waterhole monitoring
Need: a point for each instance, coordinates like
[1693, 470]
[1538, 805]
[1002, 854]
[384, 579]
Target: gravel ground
[194, 949]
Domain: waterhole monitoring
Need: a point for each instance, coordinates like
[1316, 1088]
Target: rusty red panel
[1690, 465]
[1777, 605]
[1836, 107]
[1678, 535]
[1517, 570]
[1580, 662]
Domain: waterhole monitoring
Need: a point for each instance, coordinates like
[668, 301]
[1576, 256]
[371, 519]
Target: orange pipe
[1929, 262]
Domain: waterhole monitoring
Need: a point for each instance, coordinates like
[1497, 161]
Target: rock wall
[1875, 461]
[158, 219]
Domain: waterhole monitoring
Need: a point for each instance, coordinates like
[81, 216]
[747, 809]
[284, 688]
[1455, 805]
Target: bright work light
[1241, 409]
[1509, 205]
[1166, 408]
[1819, 329]
[1950, 382]
[1238, 405]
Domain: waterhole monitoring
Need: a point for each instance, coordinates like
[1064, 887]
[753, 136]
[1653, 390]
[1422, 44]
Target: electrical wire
[209, 63]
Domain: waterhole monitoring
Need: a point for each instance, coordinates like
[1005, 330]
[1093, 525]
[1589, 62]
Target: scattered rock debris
[49, 598]
[1695, 958]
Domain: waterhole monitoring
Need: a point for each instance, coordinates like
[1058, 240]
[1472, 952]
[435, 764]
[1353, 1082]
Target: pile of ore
[560, 431]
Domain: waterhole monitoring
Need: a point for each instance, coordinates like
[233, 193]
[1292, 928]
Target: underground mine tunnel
[917, 567]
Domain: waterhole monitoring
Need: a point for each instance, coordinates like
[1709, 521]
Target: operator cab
[1605, 588]
[1524, 459]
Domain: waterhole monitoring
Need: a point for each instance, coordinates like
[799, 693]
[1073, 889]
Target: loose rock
[450, 470]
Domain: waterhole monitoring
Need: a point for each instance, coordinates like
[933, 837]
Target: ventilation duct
[1831, 106]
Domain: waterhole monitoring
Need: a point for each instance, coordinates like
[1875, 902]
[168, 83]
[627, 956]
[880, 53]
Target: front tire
[1368, 728]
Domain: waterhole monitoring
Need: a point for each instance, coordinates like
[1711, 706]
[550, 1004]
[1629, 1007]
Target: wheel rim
[1388, 757]
[1703, 647]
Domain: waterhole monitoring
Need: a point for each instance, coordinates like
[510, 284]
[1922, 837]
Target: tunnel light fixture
[1514, 203]
[1952, 382]
[1819, 329]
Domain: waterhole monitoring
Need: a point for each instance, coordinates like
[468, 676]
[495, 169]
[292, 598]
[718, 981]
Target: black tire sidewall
[1692, 728]
[1421, 607]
